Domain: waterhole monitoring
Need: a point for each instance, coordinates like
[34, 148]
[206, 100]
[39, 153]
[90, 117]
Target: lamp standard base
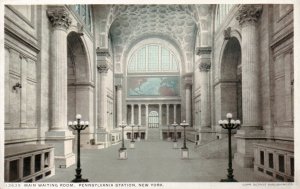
[175, 145]
[228, 180]
[132, 145]
[184, 153]
[80, 180]
[122, 153]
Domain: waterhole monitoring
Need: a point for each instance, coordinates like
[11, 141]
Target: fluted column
[119, 104]
[103, 59]
[140, 114]
[59, 18]
[250, 132]
[59, 135]
[204, 68]
[247, 17]
[132, 113]
[167, 122]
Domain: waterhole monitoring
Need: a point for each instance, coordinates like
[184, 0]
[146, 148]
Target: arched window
[153, 119]
[153, 58]
[221, 13]
[85, 14]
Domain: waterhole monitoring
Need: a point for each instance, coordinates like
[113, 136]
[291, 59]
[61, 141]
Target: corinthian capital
[204, 67]
[59, 17]
[249, 13]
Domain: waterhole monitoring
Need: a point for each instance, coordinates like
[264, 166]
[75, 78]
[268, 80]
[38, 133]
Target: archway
[80, 89]
[229, 88]
[153, 119]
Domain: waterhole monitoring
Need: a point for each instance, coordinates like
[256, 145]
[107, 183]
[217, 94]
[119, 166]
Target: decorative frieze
[204, 66]
[249, 13]
[59, 17]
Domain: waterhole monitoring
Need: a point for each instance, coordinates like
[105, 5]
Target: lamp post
[138, 137]
[229, 124]
[184, 125]
[78, 126]
[122, 150]
[175, 139]
[123, 125]
[169, 139]
[132, 139]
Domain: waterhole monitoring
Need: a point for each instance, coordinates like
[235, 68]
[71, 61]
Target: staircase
[154, 134]
[217, 148]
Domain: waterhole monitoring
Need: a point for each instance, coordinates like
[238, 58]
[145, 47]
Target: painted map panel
[153, 86]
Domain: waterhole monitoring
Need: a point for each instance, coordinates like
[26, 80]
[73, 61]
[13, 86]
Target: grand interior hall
[148, 93]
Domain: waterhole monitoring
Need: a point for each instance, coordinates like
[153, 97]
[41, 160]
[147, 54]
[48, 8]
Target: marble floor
[152, 162]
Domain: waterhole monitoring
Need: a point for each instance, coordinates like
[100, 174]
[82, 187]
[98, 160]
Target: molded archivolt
[78, 61]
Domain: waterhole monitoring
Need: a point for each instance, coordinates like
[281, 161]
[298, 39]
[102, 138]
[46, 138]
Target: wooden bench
[274, 160]
[29, 163]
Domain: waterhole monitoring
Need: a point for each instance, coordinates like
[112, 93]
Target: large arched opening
[80, 88]
[229, 86]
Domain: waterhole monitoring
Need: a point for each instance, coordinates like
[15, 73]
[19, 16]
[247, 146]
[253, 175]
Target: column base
[205, 135]
[63, 147]
[245, 151]
[103, 139]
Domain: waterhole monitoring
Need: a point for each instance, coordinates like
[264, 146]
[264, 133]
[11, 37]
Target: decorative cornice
[249, 13]
[102, 52]
[204, 67]
[203, 50]
[227, 33]
[59, 17]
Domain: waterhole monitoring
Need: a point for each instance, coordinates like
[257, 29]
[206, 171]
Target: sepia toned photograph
[147, 95]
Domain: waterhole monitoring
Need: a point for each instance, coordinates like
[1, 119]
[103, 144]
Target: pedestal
[175, 145]
[122, 154]
[205, 135]
[185, 153]
[132, 145]
[245, 149]
[103, 139]
[63, 144]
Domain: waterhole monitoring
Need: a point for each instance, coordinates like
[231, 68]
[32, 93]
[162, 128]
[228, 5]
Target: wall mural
[153, 86]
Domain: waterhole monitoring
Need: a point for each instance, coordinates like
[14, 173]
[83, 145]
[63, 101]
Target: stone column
[132, 113]
[146, 114]
[160, 113]
[205, 132]
[119, 105]
[174, 105]
[59, 134]
[188, 101]
[167, 122]
[140, 114]
[250, 132]
[103, 62]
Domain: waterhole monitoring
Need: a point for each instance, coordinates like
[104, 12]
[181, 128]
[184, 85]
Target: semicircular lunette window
[153, 71]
